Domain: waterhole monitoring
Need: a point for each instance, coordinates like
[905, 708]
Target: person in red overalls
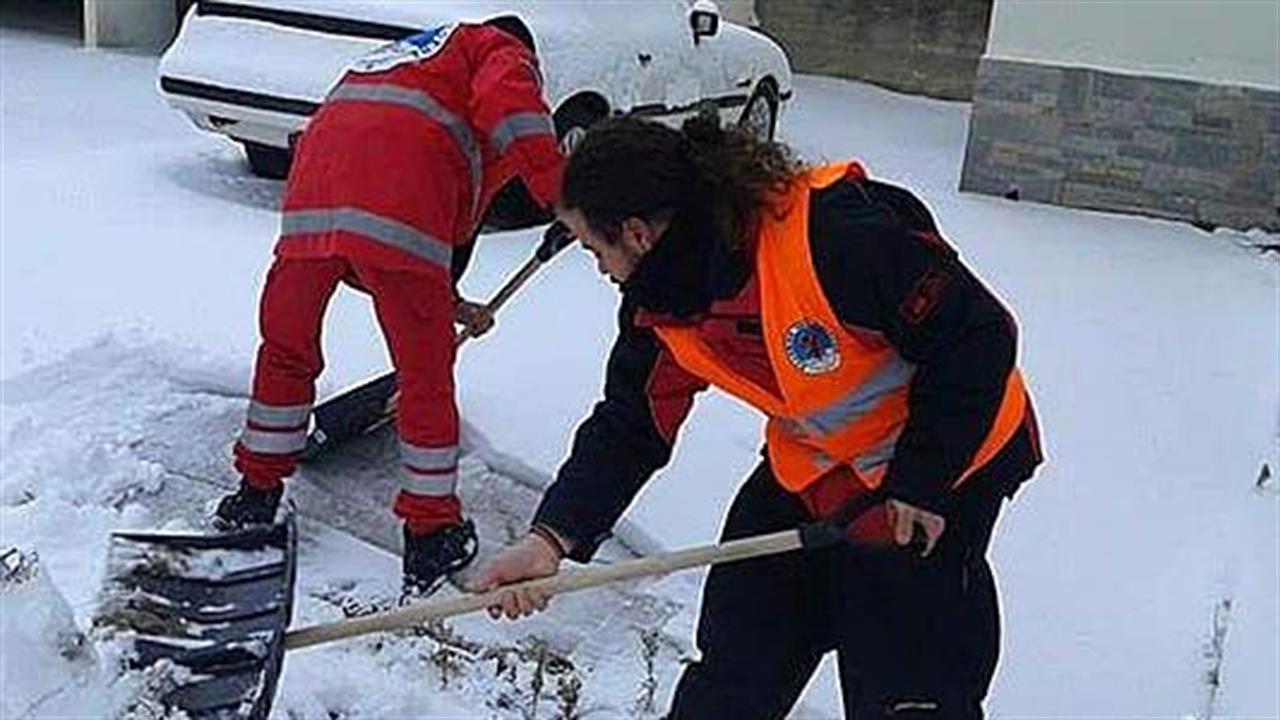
[388, 186]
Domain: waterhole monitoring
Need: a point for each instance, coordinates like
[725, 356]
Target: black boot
[430, 557]
[247, 506]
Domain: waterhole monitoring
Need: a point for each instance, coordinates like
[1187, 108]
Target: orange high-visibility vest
[843, 398]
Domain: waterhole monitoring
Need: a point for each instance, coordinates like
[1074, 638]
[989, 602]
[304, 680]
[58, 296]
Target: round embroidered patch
[812, 348]
[409, 50]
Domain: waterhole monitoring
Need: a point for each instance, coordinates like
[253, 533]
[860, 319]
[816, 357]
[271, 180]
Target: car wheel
[267, 161]
[760, 116]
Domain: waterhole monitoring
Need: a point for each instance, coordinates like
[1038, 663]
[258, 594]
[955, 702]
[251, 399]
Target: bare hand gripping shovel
[371, 404]
[217, 606]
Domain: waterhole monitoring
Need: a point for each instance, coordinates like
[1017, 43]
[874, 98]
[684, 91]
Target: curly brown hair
[627, 167]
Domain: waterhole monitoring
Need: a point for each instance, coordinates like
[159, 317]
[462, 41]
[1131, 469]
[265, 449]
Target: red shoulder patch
[924, 297]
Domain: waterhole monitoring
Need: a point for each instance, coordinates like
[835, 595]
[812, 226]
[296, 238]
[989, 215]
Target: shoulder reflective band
[427, 105]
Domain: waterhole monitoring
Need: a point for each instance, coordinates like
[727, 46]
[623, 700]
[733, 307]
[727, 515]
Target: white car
[255, 70]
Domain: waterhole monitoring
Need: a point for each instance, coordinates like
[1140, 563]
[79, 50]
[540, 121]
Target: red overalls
[391, 174]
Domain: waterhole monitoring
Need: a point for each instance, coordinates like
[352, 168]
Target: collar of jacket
[687, 273]
[743, 303]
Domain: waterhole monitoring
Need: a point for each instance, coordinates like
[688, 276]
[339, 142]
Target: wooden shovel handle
[559, 584]
[508, 289]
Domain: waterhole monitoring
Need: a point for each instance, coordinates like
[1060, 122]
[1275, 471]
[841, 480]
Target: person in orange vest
[388, 186]
[830, 302]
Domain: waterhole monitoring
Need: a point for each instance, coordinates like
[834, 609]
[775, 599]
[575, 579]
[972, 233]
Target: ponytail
[740, 172]
[717, 179]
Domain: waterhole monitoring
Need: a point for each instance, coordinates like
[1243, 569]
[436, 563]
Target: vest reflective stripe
[895, 375]
[374, 227]
[281, 417]
[520, 125]
[878, 457]
[851, 412]
[429, 459]
[432, 484]
[458, 128]
[274, 443]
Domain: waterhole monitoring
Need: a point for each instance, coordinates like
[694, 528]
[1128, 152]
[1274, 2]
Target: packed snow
[1138, 570]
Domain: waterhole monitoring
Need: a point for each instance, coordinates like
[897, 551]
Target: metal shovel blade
[215, 606]
[350, 414]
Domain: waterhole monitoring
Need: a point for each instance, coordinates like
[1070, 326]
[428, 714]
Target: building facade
[927, 47]
[1170, 109]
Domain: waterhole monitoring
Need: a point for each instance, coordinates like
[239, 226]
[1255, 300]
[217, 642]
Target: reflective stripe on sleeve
[520, 125]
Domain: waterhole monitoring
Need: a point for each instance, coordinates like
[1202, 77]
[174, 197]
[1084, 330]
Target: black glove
[555, 239]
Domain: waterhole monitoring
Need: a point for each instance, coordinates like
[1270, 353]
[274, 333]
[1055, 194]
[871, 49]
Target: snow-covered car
[255, 70]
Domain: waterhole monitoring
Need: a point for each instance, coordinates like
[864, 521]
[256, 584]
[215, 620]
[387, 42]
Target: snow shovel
[225, 630]
[369, 405]
[211, 608]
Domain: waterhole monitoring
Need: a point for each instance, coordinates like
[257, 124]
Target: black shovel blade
[349, 414]
[215, 606]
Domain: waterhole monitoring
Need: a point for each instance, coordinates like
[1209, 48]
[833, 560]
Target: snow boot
[247, 506]
[430, 557]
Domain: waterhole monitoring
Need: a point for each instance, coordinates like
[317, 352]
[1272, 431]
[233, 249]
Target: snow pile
[50, 668]
[38, 627]
[156, 422]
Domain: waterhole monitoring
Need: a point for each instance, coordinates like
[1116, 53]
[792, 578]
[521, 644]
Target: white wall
[742, 12]
[129, 23]
[1233, 42]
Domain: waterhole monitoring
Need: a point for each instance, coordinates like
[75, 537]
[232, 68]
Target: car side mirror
[704, 20]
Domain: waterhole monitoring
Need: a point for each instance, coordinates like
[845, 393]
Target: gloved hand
[556, 238]
[533, 556]
[474, 318]
[893, 522]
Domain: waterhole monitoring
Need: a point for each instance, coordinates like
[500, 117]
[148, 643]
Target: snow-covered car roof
[636, 53]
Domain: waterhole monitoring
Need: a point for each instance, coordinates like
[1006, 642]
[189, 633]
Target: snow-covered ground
[133, 248]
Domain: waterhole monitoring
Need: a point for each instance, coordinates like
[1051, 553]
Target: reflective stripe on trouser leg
[294, 299]
[444, 484]
[275, 429]
[429, 471]
[415, 311]
[270, 442]
[278, 417]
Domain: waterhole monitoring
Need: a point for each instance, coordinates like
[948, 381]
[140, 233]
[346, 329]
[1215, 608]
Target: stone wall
[1075, 136]
[928, 47]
